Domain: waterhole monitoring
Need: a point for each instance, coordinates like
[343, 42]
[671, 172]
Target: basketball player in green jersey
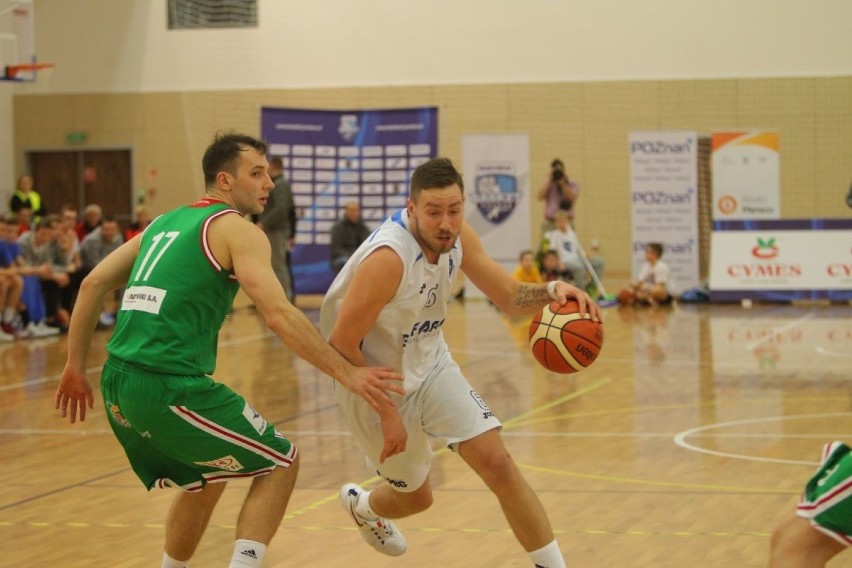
[178, 427]
[821, 526]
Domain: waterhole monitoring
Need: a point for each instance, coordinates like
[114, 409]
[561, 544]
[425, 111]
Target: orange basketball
[564, 341]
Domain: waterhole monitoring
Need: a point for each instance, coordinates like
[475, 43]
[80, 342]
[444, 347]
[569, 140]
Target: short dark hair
[276, 162]
[436, 173]
[657, 248]
[224, 152]
[557, 162]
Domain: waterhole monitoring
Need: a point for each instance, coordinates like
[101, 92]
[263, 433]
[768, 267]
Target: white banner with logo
[664, 190]
[746, 175]
[782, 260]
[496, 170]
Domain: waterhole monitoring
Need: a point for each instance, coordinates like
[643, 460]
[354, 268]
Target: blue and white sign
[332, 158]
[496, 170]
[664, 198]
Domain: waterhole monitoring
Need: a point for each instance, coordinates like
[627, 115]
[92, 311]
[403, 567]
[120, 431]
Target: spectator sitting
[24, 220]
[31, 307]
[69, 244]
[550, 267]
[653, 286]
[94, 248]
[347, 235]
[40, 251]
[527, 271]
[142, 221]
[11, 286]
[91, 219]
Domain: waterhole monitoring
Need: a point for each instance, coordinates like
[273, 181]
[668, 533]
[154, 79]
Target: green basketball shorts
[186, 431]
[827, 499]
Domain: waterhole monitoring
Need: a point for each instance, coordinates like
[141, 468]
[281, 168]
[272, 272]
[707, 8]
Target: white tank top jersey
[407, 335]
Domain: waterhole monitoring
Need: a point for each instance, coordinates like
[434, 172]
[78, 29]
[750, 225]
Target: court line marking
[680, 439]
[827, 353]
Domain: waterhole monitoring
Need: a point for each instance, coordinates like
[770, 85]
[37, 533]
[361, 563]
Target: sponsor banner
[497, 195]
[664, 197]
[782, 260]
[334, 157]
[746, 175]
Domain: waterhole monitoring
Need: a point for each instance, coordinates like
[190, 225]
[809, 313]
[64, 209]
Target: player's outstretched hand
[373, 384]
[73, 388]
[585, 302]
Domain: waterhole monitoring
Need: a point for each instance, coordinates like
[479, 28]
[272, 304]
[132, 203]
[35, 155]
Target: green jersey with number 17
[177, 297]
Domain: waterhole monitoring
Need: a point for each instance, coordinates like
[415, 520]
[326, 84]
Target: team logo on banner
[348, 128]
[496, 192]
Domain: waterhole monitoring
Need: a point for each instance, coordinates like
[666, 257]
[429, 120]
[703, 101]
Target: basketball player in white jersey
[387, 307]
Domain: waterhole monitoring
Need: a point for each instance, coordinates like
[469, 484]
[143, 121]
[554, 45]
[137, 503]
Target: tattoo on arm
[530, 295]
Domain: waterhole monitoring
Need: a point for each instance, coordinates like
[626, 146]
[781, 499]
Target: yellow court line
[512, 422]
[595, 477]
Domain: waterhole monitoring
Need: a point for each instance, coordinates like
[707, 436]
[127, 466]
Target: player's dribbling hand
[585, 302]
[373, 384]
[74, 388]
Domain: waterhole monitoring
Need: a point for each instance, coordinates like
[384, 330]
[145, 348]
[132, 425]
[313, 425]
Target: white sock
[548, 556]
[169, 562]
[362, 507]
[8, 315]
[247, 554]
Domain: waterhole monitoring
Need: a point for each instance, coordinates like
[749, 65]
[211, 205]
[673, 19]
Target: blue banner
[332, 158]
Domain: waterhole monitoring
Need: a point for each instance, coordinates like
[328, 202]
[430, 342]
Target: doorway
[81, 177]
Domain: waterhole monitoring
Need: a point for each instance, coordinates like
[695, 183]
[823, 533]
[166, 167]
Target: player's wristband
[551, 289]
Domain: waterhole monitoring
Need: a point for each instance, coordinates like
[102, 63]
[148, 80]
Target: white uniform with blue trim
[407, 336]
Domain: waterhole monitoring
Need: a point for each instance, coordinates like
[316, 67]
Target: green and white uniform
[177, 425]
[827, 499]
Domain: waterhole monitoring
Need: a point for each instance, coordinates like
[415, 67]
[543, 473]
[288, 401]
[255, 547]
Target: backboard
[17, 41]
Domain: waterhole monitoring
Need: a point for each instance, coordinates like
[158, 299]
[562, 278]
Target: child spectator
[550, 267]
[653, 286]
[527, 271]
[565, 242]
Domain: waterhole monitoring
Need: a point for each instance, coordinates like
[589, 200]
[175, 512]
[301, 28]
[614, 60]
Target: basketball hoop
[13, 70]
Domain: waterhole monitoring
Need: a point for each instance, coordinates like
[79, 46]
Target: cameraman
[559, 193]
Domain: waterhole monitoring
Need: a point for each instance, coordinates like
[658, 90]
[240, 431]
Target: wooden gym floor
[681, 446]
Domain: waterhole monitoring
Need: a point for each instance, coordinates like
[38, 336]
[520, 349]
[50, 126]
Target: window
[212, 14]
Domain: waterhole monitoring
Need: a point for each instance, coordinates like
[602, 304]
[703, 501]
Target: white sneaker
[41, 329]
[7, 337]
[381, 533]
